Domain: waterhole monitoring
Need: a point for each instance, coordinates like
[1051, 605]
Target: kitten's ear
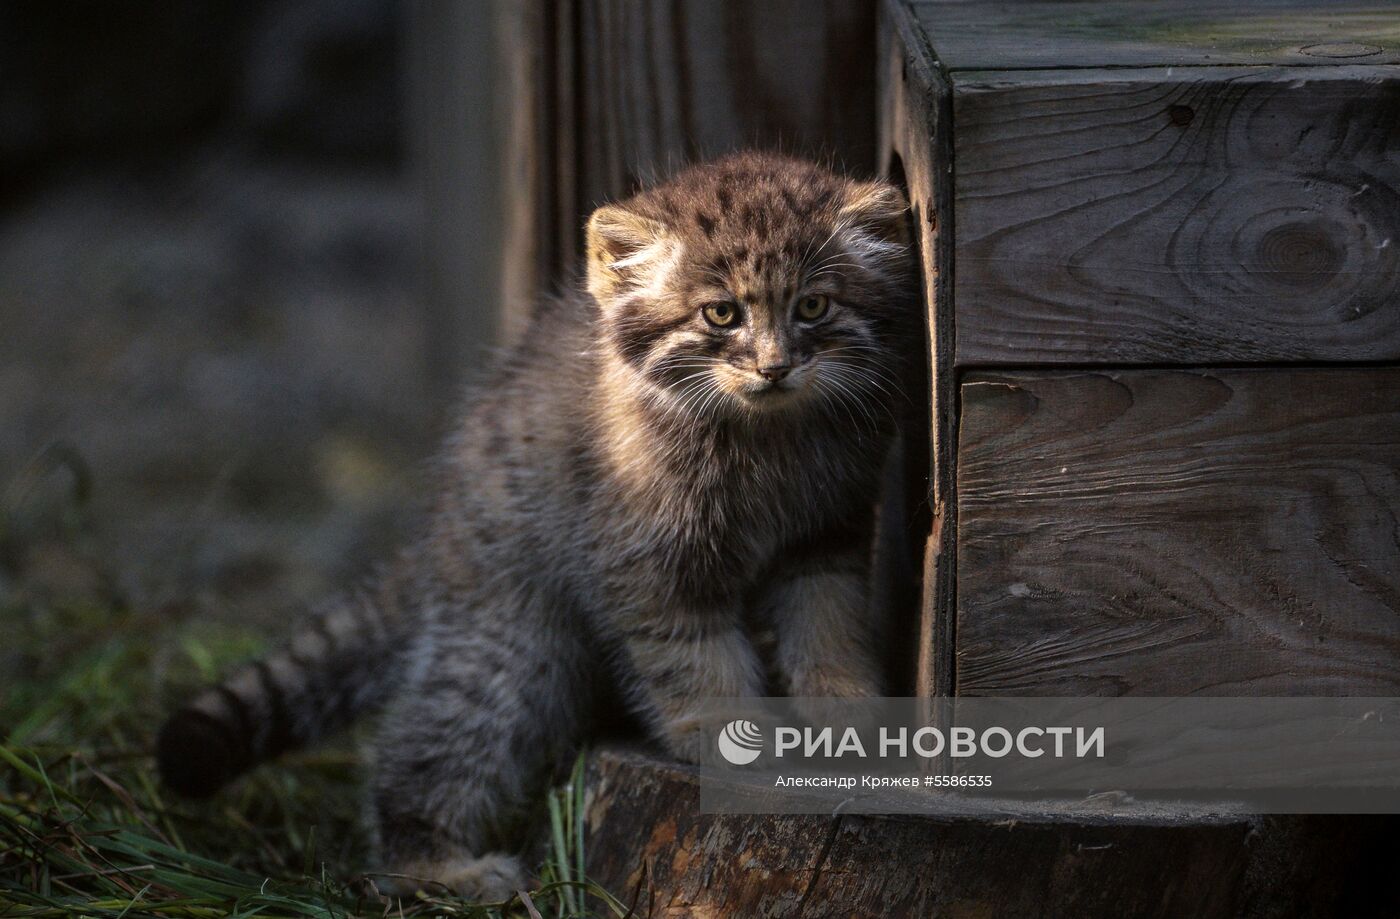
[620, 243]
[877, 210]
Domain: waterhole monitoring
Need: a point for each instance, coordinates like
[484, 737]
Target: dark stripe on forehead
[725, 261]
[756, 218]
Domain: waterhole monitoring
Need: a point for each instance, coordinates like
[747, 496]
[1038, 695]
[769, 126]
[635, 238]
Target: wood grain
[661, 84]
[1200, 215]
[995, 35]
[649, 840]
[1229, 532]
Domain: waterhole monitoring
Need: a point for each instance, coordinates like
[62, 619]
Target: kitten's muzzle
[775, 373]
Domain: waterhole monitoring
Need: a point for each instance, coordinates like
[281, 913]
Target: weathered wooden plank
[647, 839]
[1226, 532]
[981, 35]
[1200, 215]
[916, 145]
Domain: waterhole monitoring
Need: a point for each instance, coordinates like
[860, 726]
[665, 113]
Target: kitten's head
[756, 284]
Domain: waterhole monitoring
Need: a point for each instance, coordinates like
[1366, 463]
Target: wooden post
[453, 79]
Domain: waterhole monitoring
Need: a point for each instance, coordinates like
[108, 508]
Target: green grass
[85, 829]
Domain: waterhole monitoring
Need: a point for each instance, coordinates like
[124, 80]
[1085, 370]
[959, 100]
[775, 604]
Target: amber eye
[721, 314]
[810, 309]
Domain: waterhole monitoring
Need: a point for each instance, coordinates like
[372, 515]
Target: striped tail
[341, 663]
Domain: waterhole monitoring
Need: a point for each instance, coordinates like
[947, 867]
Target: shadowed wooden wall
[529, 113]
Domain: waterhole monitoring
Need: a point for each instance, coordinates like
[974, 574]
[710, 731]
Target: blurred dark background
[214, 369]
[249, 249]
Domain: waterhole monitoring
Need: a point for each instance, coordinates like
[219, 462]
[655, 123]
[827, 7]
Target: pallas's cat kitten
[680, 457]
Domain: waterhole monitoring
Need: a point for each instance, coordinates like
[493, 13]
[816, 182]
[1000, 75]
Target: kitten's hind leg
[467, 752]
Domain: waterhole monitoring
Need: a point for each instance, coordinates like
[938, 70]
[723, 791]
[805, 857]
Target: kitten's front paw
[489, 878]
[695, 740]
[689, 743]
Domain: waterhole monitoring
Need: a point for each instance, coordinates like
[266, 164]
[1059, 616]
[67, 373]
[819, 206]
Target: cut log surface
[649, 844]
[1190, 215]
[1228, 532]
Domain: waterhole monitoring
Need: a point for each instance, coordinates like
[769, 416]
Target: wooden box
[1161, 243]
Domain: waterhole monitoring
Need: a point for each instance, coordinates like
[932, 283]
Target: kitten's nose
[775, 372]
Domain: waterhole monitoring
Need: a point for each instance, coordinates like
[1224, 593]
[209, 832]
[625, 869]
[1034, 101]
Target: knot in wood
[1344, 49]
[1181, 115]
[1300, 254]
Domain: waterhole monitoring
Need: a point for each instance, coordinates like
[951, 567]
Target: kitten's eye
[812, 308]
[721, 314]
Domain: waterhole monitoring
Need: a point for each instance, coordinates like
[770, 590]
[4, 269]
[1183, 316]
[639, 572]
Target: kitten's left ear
[620, 243]
[878, 210]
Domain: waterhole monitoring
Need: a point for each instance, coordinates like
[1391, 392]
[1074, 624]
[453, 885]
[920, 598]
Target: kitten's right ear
[620, 243]
[877, 209]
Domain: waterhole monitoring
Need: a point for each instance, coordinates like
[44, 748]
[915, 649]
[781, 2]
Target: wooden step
[651, 846]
